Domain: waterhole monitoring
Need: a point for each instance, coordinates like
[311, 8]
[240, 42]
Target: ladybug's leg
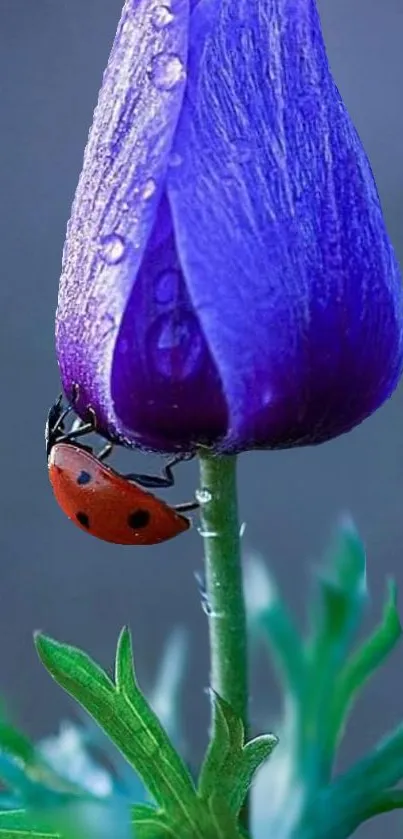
[62, 414]
[57, 414]
[80, 428]
[187, 506]
[76, 432]
[166, 479]
[105, 452]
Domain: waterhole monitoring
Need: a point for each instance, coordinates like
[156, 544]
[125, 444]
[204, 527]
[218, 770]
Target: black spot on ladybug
[84, 478]
[138, 519]
[83, 519]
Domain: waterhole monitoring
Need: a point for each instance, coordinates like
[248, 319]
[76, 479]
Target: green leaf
[15, 743]
[216, 822]
[223, 820]
[150, 823]
[362, 664]
[19, 824]
[173, 774]
[226, 742]
[124, 714]
[229, 765]
[254, 754]
[75, 671]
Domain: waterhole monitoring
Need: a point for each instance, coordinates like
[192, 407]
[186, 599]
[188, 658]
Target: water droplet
[112, 248]
[167, 287]
[125, 206]
[242, 530]
[203, 496]
[104, 153]
[107, 325]
[175, 160]
[167, 71]
[162, 16]
[208, 534]
[175, 345]
[267, 397]
[205, 604]
[149, 188]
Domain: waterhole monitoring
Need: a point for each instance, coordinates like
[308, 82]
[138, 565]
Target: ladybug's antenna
[54, 422]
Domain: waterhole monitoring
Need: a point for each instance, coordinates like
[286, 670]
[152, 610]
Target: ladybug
[113, 507]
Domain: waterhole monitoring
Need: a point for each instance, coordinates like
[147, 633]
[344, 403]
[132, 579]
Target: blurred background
[53, 576]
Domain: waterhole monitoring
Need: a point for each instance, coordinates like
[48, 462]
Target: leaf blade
[124, 714]
[254, 754]
[361, 665]
[217, 751]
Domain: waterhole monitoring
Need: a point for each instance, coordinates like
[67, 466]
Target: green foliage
[124, 714]
[75, 820]
[359, 668]
[322, 677]
[120, 708]
[230, 764]
[20, 824]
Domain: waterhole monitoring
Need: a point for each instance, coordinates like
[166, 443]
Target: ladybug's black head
[54, 427]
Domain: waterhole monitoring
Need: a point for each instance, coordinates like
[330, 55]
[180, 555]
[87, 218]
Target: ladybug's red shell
[107, 505]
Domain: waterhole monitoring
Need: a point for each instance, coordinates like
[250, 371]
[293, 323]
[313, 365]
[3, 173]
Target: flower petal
[165, 388]
[118, 196]
[279, 229]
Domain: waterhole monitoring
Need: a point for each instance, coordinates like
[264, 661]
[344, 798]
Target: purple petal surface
[118, 195]
[165, 388]
[279, 229]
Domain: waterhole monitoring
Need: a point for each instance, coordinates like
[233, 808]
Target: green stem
[224, 587]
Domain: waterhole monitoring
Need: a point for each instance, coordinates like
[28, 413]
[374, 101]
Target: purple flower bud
[227, 276]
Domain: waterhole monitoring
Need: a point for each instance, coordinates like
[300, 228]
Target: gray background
[52, 54]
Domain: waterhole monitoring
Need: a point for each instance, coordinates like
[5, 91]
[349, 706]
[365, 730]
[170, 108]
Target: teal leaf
[380, 769]
[342, 822]
[343, 593]
[126, 717]
[361, 666]
[385, 802]
[165, 698]
[86, 820]
[274, 622]
[35, 785]
[335, 619]
[229, 765]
